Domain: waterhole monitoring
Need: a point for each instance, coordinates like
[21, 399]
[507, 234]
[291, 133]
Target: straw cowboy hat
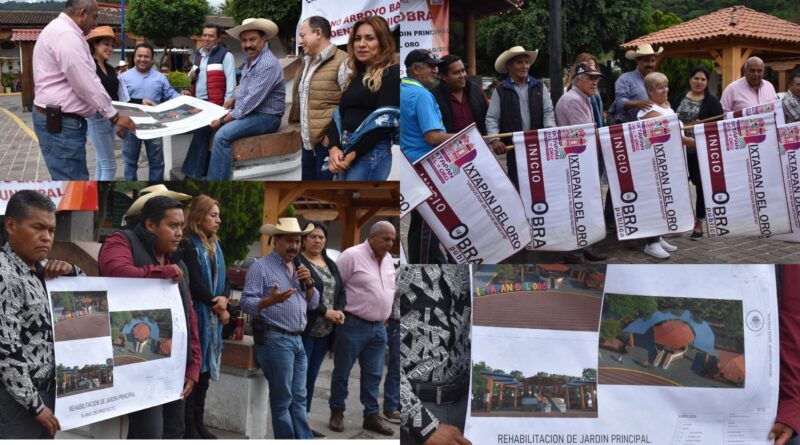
[150, 192]
[500, 63]
[267, 26]
[103, 32]
[286, 226]
[643, 50]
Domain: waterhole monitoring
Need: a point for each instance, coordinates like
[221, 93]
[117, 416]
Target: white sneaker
[666, 246]
[655, 250]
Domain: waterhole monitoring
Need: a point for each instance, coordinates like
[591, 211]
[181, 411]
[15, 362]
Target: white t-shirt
[661, 110]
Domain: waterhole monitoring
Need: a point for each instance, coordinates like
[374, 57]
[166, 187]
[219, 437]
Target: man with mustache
[277, 292]
[630, 94]
[27, 368]
[259, 102]
[750, 90]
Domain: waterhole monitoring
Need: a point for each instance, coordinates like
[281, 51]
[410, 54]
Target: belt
[442, 394]
[350, 314]
[71, 115]
[44, 384]
[281, 330]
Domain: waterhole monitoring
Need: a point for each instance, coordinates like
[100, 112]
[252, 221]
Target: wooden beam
[469, 38]
[731, 64]
[366, 216]
[271, 211]
[746, 55]
[289, 197]
[350, 230]
[716, 56]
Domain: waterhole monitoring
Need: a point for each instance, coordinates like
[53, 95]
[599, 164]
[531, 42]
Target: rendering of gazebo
[540, 394]
[729, 36]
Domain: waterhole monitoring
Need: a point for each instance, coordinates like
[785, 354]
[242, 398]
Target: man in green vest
[317, 89]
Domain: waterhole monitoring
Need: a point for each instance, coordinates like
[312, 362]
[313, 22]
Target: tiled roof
[734, 22]
[25, 35]
[106, 16]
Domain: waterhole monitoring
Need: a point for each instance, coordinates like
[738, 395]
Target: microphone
[297, 265]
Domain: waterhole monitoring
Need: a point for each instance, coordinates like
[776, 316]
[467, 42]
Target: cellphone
[53, 113]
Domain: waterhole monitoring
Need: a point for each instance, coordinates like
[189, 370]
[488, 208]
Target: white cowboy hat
[150, 192]
[500, 63]
[267, 26]
[122, 63]
[286, 226]
[642, 50]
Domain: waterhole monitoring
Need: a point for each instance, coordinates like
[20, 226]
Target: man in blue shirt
[146, 86]
[260, 101]
[421, 130]
[630, 96]
[277, 294]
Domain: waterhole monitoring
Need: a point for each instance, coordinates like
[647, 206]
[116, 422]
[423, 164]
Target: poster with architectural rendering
[120, 346]
[696, 344]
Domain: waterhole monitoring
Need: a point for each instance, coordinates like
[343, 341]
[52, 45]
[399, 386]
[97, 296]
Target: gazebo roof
[736, 22]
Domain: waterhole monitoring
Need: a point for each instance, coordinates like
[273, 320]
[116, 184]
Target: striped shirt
[259, 283]
[261, 89]
[629, 86]
[574, 108]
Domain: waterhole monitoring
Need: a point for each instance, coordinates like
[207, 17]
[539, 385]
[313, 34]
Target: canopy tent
[703, 335]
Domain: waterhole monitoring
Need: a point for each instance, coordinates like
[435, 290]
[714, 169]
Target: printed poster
[743, 185]
[471, 210]
[560, 187]
[413, 190]
[175, 116]
[425, 25]
[789, 149]
[775, 107]
[647, 177]
[344, 14]
[66, 195]
[120, 346]
[697, 345]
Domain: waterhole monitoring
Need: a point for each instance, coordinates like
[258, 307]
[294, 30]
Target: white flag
[775, 107]
[742, 180]
[560, 186]
[474, 211]
[647, 177]
[413, 190]
[789, 147]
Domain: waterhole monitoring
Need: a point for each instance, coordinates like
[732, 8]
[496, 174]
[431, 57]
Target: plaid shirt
[261, 89]
[259, 282]
[791, 107]
[574, 108]
[309, 68]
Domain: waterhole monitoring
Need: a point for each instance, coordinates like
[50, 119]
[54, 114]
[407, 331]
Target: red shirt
[462, 112]
[789, 404]
[116, 260]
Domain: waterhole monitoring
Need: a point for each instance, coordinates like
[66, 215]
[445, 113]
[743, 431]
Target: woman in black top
[101, 131]
[205, 264]
[693, 105]
[319, 333]
[373, 83]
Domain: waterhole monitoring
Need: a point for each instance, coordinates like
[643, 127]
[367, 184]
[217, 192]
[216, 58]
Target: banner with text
[425, 25]
[742, 179]
[342, 15]
[646, 168]
[558, 163]
[789, 147]
[471, 210]
[413, 191]
[775, 107]
[66, 195]
[120, 346]
[684, 354]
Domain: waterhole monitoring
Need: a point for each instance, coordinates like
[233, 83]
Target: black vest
[510, 117]
[473, 94]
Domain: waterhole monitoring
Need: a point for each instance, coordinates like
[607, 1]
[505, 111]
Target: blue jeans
[221, 165]
[64, 153]
[374, 165]
[101, 133]
[312, 164]
[196, 163]
[131, 146]
[391, 385]
[283, 360]
[365, 341]
[315, 347]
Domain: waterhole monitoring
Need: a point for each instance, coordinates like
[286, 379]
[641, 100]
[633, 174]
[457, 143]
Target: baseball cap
[421, 55]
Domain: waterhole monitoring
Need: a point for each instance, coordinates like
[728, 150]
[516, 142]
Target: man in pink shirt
[68, 90]
[749, 90]
[368, 277]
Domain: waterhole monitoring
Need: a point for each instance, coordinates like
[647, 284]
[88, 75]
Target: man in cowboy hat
[630, 94]
[150, 250]
[259, 102]
[368, 278]
[519, 103]
[277, 292]
[67, 91]
[750, 90]
[132, 215]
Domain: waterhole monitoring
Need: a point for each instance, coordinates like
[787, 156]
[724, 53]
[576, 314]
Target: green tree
[285, 14]
[629, 307]
[589, 374]
[610, 329]
[161, 21]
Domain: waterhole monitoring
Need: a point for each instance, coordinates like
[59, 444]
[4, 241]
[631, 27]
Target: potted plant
[8, 80]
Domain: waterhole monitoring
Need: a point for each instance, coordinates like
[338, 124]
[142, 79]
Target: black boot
[201, 428]
[199, 405]
[191, 431]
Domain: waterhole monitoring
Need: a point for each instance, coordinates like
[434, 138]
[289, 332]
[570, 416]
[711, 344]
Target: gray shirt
[493, 114]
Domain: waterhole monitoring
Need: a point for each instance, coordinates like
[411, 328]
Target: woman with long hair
[101, 131]
[202, 254]
[367, 121]
[319, 334]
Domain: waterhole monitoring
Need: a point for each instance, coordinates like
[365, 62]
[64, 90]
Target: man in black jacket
[460, 100]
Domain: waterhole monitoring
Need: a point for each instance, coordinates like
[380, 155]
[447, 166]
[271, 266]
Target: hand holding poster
[473, 210]
[175, 116]
[413, 191]
[789, 147]
[774, 107]
[120, 346]
[742, 179]
[647, 177]
[560, 186]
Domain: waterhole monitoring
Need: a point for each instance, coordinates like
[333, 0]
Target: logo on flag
[648, 133]
[740, 133]
[448, 161]
[564, 142]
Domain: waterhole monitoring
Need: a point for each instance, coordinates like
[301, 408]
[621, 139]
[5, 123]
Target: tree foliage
[161, 21]
[785, 9]
[285, 14]
[589, 374]
[629, 307]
